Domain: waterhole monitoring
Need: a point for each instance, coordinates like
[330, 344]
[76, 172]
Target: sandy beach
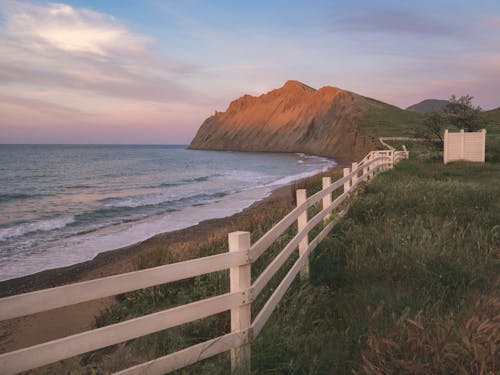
[180, 245]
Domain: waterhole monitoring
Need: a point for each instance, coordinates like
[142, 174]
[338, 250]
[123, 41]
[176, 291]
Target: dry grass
[450, 345]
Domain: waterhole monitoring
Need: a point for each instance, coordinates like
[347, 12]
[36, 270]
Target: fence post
[365, 169]
[327, 199]
[301, 223]
[483, 148]
[372, 167]
[240, 280]
[462, 144]
[347, 184]
[393, 155]
[355, 177]
[445, 148]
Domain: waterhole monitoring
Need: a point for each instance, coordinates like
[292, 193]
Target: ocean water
[63, 204]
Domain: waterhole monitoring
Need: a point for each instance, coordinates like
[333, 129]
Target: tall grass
[420, 243]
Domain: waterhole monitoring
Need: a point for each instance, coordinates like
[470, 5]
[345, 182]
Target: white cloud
[68, 29]
[57, 46]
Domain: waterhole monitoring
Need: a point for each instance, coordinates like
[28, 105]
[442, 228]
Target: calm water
[63, 204]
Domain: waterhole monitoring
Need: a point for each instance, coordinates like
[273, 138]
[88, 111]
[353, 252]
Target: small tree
[462, 114]
[432, 129]
[459, 113]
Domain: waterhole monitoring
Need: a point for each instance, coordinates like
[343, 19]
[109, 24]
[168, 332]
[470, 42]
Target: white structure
[468, 146]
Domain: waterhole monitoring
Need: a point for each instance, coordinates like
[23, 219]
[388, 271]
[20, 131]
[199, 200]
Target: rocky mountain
[296, 118]
[428, 105]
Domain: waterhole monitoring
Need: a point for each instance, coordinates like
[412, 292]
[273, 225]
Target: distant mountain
[297, 118]
[428, 105]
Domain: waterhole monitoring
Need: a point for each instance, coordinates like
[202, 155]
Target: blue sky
[152, 71]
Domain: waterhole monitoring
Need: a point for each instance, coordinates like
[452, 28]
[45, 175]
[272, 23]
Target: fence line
[238, 260]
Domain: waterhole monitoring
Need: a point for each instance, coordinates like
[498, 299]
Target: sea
[64, 204]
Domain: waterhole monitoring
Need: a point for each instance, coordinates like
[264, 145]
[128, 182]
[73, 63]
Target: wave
[38, 226]
[18, 196]
[125, 208]
[298, 176]
[245, 175]
[146, 200]
[186, 181]
[79, 187]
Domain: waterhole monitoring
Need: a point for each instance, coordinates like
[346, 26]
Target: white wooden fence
[242, 292]
[467, 146]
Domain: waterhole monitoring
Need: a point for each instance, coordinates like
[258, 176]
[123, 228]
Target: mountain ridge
[328, 121]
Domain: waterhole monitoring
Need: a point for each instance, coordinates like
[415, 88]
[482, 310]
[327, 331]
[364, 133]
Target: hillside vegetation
[493, 122]
[384, 120]
[381, 119]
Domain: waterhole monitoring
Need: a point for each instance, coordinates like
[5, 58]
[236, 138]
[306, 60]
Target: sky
[151, 71]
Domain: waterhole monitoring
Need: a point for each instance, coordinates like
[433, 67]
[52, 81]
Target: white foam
[299, 176]
[44, 225]
[82, 248]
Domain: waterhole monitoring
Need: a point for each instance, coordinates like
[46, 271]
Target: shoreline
[179, 244]
[129, 220]
[99, 265]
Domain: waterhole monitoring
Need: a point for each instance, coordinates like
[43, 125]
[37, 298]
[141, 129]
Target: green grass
[421, 239]
[384, 120]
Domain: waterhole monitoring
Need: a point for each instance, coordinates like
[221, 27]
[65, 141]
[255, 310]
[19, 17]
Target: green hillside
[381, 119]
[493, 121]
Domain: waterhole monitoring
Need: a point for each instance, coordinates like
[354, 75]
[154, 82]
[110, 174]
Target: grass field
[405, 284]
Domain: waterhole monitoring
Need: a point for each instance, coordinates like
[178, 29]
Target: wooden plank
[301, 224]
[188, 356]
[47, 299]
[327, 199]
[354, 168]
[240, 279]
[53, 351]
[347, 183]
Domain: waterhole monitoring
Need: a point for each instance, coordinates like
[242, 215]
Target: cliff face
[293, 118]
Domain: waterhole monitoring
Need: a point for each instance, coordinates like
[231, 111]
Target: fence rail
[238, 260]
